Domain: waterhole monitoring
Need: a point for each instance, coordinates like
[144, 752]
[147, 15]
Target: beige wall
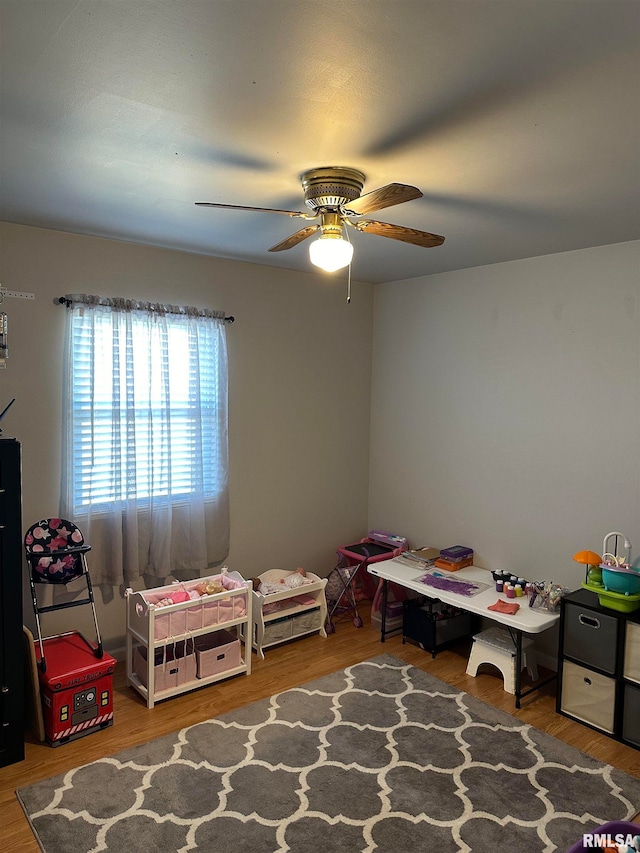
[505, 409]
[300, 365]
[505, 400]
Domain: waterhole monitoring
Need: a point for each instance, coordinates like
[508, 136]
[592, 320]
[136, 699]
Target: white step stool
[496, 647]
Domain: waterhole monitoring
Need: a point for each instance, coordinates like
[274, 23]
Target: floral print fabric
[54, 538]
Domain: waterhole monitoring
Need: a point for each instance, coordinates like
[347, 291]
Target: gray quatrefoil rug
[379, 757]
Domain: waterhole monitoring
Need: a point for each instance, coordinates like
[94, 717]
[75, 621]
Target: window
[145, 427]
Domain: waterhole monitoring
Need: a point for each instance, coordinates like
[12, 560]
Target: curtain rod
[64, 300]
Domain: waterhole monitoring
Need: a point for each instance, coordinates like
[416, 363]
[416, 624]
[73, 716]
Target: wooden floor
[284, 667]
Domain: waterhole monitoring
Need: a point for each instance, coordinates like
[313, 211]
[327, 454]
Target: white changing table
[298, 612]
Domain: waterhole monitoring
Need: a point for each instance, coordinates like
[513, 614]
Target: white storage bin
[279, 629]
[632, 652]
[309, 621]
[588, 696]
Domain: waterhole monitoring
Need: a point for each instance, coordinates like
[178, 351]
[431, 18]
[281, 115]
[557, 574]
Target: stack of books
[421, 558]
[454, 558]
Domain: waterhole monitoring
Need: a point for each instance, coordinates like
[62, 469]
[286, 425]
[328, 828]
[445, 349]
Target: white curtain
[145, 447]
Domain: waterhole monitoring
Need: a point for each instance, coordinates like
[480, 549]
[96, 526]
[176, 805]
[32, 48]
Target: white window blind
[146, 422]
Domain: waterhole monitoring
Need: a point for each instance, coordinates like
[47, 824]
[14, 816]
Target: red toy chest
[76, 688]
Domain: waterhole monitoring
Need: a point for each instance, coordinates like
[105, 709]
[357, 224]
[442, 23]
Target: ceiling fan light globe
[330, 253]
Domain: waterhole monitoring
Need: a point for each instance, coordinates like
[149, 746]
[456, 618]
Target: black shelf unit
[11, 634]
[599, 667]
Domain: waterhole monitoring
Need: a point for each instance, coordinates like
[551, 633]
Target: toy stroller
[352, 559]
[55, 551]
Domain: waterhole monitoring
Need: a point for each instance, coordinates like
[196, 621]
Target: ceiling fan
[333, 195]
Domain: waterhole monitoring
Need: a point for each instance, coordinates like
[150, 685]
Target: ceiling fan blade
[241, 207]
[399, 232]
[385, 196]
[296, 238]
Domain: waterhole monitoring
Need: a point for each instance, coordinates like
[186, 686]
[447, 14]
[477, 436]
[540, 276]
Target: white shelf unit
[158, 630]
[300, 611]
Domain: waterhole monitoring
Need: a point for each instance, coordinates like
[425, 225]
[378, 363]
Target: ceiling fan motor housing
[331, 186]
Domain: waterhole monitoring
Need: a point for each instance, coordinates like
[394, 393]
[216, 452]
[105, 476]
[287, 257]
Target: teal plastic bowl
[625, 581]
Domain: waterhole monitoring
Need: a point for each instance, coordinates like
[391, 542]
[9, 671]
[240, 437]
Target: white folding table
[527, 620]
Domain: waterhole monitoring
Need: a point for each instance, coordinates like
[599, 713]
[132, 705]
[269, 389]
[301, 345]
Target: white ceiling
[518, 119]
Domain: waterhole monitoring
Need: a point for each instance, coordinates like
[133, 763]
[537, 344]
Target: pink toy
[207, 608]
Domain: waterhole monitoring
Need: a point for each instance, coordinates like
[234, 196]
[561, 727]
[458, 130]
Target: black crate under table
[433, 624]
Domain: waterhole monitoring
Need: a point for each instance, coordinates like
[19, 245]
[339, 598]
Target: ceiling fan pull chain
[346, 234]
